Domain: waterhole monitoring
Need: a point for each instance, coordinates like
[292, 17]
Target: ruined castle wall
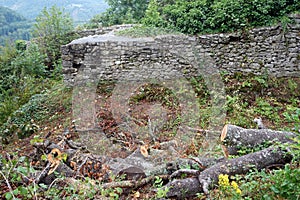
[103, 55]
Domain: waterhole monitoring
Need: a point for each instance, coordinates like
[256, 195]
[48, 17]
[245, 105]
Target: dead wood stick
[133, 184]
[43, 173]
[74, 145]
[83, 163]
[8, 185]
[207, 178]
[185, 171]
[193, 129]
[192, 163]
[237, 136]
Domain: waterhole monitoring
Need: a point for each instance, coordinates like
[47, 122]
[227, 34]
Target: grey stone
[106, 54]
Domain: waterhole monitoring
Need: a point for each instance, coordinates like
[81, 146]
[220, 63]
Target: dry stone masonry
[104, 56]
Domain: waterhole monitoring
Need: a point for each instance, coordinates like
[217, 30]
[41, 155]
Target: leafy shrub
[24, 121]
[22, 75]
[188, 16]
[292, 115]
[30, 62]
[220, 16]
[152, 16]
[17, 172]
[120, 12]
[52, 29]
[286, 182]
[279, 184]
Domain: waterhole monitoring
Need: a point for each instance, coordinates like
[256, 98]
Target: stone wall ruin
[272, 50]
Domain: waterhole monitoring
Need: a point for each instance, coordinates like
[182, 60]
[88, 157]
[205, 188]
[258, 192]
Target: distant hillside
[12, 25]
[80, 10]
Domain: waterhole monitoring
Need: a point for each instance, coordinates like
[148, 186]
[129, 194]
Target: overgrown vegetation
[31, 68]
[120, 12]
[197, 16]
[52, 29]
[242, 106]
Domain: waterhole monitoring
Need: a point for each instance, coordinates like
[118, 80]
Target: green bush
[202, 16]
[22, 75]
[152, 16]
[24, 119]
[120, 12]
[278, 184]
[30, 62]
[17, 64]
[52, 29]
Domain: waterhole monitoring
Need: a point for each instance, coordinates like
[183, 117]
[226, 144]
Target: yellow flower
[236, 187]
[223, 180]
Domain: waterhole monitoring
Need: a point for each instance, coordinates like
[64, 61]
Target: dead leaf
[73, 165]
[54, 157]
[53, 167]
[144, 150]
[136, 195]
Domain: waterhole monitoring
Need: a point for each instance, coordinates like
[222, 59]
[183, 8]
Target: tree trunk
[237, 136]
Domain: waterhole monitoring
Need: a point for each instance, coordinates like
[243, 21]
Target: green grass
[146, 31]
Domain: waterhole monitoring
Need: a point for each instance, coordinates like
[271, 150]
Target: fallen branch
[243, 164]
[179, 172]
[133, 184]
[8, 185]
[207, 178]
[43, 173]
[183, 188]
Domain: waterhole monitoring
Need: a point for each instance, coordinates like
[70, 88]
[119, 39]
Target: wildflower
[236, 187]
[223, 180]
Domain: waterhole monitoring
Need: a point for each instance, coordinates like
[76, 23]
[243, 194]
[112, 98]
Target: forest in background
[18, 16]
[80, 10]
[13, 26]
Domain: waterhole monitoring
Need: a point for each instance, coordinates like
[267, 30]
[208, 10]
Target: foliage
[292, 115]
[51, 30]
[227, 189]
[264, 108]
[279, 184]
[119, 12]
[16, 178]
[16, 173]
[24, 121]
[22, 75]
[145, 31]
[161, 191]
[263, 96]
[17, 63]
[154, 92]
[220, 16]
[152, 16]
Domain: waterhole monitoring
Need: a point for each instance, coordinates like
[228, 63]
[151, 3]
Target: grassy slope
[275, 100]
